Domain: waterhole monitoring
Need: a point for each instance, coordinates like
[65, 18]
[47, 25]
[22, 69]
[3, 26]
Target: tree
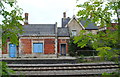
[75, 50]
[100, 13]
[72, 48]
[10, 28]
[11, 25]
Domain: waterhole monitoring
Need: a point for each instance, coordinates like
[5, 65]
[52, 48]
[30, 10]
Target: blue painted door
[38, 47]
[12, 50]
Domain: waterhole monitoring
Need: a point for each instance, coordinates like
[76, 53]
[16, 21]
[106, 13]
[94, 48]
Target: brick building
[46, 39]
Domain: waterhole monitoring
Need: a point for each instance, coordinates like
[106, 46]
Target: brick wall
[63, 41]
[26, 46]
[49, 45]
[5, 48]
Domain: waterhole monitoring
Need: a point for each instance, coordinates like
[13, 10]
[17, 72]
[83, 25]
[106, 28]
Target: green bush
[5, 70]
[113, 74]
[74, 50]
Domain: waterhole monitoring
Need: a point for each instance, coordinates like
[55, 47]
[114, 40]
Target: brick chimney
[64, 14]
[26, 19]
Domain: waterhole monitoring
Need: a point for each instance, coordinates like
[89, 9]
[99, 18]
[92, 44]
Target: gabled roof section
[39, 30]
[74, 18]
[63, 32]
[65, 21]
[88, 25]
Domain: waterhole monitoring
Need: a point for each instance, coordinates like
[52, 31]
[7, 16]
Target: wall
[5, 48]
[63, 40]
[94, 31]
[74, 25]
[27, 48]
[49, 46]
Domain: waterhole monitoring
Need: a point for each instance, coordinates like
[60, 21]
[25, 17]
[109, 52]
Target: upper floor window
[74, 32]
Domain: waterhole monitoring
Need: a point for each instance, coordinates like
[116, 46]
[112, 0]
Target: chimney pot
[26, 19]
[64, 14]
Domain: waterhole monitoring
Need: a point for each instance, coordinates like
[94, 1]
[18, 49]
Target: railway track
[80, 69]
[44, 67]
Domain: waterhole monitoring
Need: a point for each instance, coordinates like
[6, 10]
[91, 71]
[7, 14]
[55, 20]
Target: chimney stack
[26, 19]
[64, 14]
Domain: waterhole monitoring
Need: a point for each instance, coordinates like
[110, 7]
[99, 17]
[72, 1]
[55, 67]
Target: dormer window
[74, 33]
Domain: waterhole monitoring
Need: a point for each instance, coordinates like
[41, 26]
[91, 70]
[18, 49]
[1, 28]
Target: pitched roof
[63, 31]
[39, 30]
[88, 25]
[65, 21]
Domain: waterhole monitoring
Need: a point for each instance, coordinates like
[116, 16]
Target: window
[74, 33]
[38, 47]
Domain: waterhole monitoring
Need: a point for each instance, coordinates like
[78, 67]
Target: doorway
[12, 50]
[63, 49]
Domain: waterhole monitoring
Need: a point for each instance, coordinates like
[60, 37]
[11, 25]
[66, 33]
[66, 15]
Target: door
[12, 50]
[63, 49]
[38, 47]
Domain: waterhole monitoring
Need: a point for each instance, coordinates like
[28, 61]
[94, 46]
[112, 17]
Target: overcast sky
[48, 11]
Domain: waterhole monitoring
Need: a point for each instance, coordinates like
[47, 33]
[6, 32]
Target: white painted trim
[34, 41]
[82, 26]
[56, 46]
[20, 47]
[56, 41]
[37, 38]
[104, 28]
[8, 48]
[63, 37]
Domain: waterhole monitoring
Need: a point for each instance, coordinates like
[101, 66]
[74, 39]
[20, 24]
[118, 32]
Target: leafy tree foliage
[5, 72]
[11, 25]
[10, 28]
[75, 50]
[100, 13]
[72, 48]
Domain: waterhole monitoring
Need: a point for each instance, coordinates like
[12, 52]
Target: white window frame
[34, 41]
[74, 32]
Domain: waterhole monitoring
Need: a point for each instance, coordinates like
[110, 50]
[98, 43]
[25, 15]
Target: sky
[47, 11]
